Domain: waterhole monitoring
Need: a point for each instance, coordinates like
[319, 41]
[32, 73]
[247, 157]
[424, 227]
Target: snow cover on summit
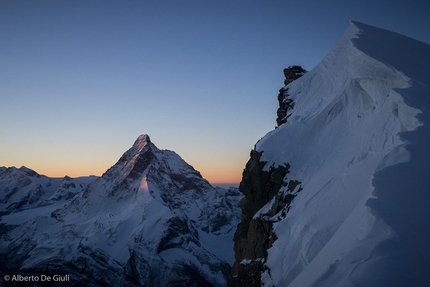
[358, 140]
[149, 220]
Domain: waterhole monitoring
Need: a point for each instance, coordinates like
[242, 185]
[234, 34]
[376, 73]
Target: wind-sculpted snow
[357, 140]
[150, 220]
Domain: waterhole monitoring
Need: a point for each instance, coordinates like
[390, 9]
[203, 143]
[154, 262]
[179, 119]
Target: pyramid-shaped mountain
[150, 220]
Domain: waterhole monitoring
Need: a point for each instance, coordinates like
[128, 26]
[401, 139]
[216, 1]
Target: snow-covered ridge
[348, 97]
[359, 123]
[24, 189]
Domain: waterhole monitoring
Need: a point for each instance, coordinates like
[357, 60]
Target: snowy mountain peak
[141, 141]
[141, 145]
[134, 161]
[28, 171]
[150, 220]
[18, 171]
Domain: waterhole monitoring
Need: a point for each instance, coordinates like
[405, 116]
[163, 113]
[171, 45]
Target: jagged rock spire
[285, 103]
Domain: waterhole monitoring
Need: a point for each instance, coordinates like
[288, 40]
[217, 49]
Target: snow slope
[358, 141]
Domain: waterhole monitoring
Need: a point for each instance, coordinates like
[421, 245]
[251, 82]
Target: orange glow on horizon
[213, 176]
[214, 172]
[222, 175]
[62, 172]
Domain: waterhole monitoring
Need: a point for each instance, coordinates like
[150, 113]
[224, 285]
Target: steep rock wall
[267, 197]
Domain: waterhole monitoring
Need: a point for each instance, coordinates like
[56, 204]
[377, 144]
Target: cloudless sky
[81, 80]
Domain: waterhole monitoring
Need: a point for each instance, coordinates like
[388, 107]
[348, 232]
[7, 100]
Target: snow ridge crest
[359, 124]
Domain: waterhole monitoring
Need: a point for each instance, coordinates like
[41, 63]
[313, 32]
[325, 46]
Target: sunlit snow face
[143, 185]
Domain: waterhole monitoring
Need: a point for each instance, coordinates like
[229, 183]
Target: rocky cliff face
[268, 195]
[268, 192]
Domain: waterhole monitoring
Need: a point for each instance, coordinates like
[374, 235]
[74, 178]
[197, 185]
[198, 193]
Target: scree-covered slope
[356, 146]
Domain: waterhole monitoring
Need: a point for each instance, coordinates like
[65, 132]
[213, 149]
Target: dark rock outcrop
[268, 195]
[254, 235]
[285, 103]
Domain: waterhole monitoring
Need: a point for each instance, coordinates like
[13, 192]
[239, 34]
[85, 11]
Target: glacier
[357, 141]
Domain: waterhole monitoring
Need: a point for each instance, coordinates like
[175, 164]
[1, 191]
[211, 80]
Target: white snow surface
[357, 139]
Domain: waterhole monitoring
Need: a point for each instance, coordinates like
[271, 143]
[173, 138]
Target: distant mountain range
[150, 220]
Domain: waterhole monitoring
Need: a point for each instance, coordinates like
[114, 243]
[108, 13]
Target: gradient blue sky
[81, 80]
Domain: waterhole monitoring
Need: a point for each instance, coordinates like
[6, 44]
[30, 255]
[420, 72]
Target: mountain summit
[149, 220]
[338, 195]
